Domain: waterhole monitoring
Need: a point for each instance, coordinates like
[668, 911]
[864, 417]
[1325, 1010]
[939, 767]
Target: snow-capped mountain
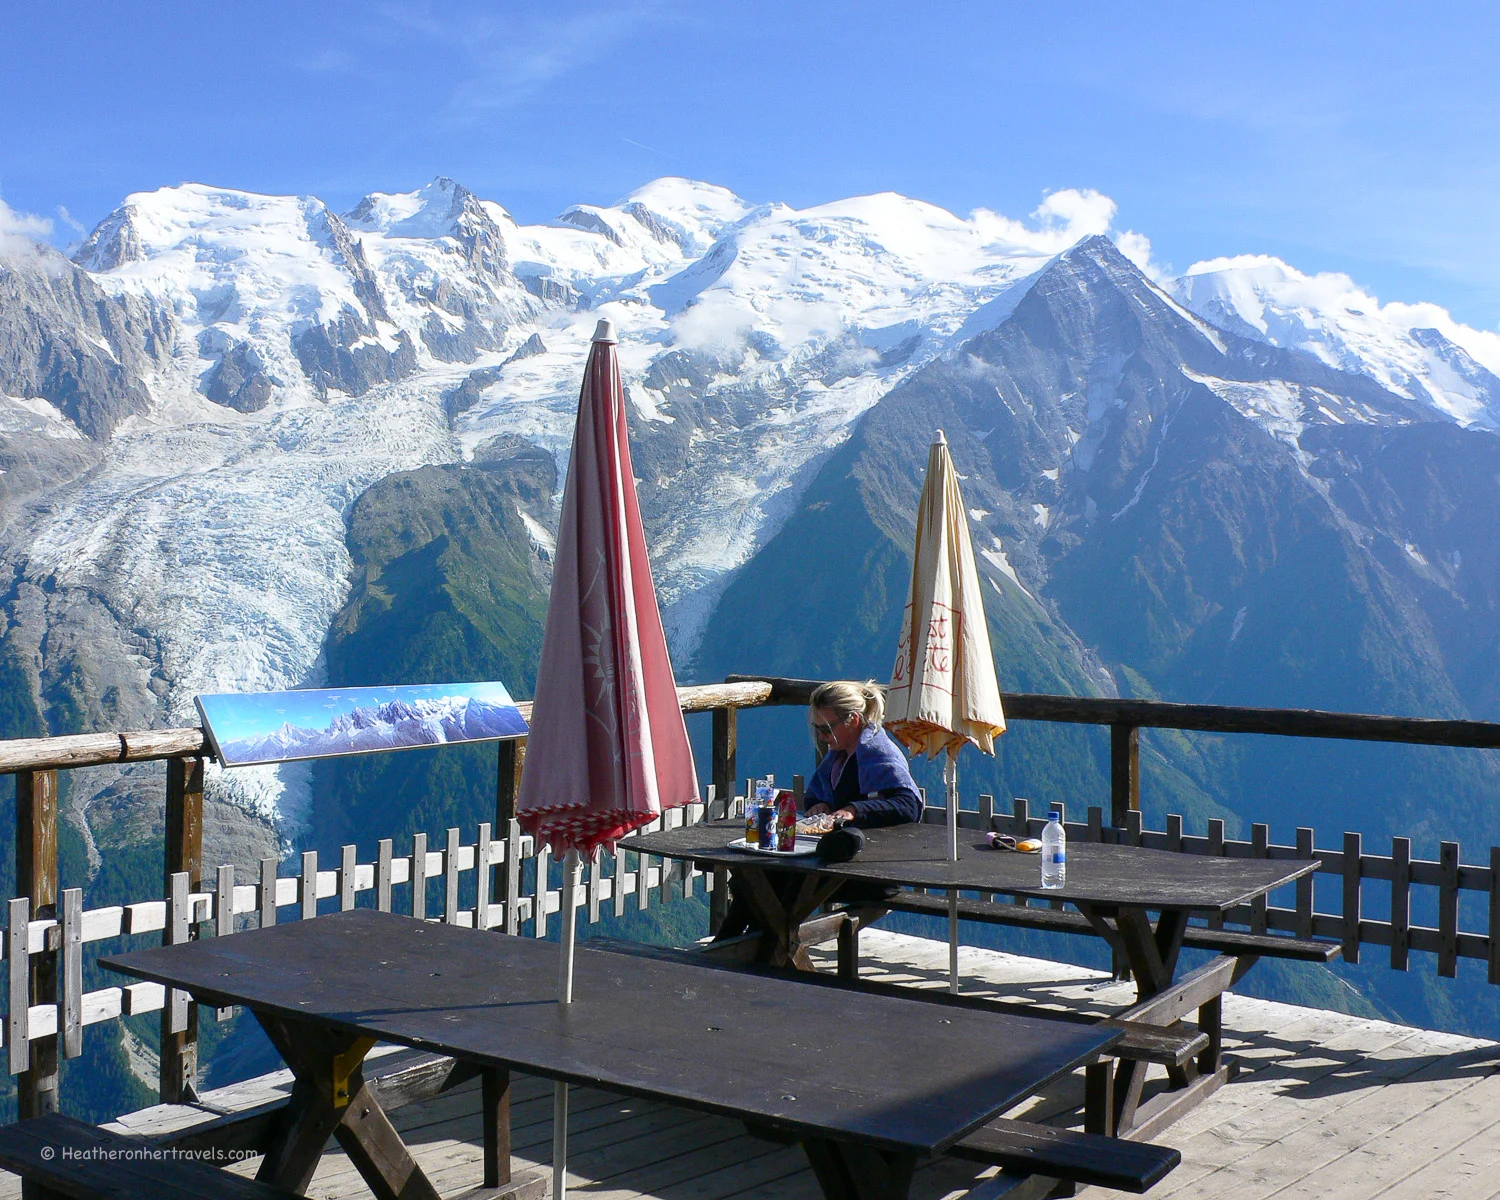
[268, 360]
[396, 725]
[312, 354]
[1415, 350]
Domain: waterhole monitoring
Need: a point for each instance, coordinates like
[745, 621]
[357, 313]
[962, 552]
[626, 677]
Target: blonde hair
[845, 696]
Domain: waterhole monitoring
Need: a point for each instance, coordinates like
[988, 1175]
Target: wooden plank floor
[1326, 1106]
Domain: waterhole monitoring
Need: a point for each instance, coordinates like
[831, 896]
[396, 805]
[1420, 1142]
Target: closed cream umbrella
[943, 693]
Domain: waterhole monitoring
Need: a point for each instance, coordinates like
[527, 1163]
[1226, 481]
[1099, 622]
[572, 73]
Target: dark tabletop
[890, 1072]
[917, 856]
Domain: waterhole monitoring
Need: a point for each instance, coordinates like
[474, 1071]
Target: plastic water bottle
[1054, 852]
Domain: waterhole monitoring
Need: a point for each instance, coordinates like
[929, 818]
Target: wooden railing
[46, 934]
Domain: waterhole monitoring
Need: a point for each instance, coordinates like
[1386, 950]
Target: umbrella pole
[571, 868]
[950, 777]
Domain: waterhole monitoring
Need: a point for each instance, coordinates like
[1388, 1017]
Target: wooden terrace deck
[1326, 1106]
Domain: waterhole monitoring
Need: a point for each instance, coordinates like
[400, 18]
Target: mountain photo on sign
[270, 727]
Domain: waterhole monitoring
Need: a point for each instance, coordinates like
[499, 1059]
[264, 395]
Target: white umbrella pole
[571, 868]
[950, 777]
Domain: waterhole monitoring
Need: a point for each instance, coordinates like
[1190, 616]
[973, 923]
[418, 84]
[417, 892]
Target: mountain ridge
[301, 356]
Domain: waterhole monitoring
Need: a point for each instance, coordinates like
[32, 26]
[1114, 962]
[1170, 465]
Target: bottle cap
[1054, 815]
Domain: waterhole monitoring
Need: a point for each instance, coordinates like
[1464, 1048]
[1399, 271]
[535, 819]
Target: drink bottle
[752, 818]
[764, 798]
[786, 822]
[1054, 852]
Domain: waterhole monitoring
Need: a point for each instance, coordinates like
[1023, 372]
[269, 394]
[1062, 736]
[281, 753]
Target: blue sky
[1362, 138]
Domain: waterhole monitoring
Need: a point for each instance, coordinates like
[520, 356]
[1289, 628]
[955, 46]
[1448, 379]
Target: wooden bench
[56, 1156]
[1238, 943]
[1021, 1148]
[1141, 1043]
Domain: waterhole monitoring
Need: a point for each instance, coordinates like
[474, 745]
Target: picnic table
[868, 1084]
[1115, 887]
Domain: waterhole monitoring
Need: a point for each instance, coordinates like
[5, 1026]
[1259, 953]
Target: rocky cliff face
[1161, 508]
[74, 363]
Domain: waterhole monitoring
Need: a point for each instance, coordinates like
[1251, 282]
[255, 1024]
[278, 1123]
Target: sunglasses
[827, 730]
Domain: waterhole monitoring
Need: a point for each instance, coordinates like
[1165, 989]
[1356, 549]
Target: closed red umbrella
[608, 749]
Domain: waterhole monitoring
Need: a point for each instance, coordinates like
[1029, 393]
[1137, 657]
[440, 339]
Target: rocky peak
[63, 340]
[114, 242]
[586, 216]
[443, 208]
[329, 231]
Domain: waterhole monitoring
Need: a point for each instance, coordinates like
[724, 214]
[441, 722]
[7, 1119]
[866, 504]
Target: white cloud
[718, 320]
[69, 219]
[509, 56]
[1063, 218]
[1137, 248]
[19, 231]
[1081, 213]
[21, 224]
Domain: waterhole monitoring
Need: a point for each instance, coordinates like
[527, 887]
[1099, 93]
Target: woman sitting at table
[863, 779]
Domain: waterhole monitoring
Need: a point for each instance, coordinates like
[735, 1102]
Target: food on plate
[818, 825]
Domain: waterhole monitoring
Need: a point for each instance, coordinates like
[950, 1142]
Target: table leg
[779, 914]
[330, 1097]
[847, 1171]
[1152, 954]
[495, 1093]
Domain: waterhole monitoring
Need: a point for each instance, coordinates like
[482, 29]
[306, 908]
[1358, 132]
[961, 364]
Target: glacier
[313, 353]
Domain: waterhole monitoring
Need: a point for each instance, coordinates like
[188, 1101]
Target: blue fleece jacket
[877, 786]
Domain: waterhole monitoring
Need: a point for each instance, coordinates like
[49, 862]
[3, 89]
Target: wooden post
[1305, 884]
[179, 1015]
[384, 855]
[508, 779]
[348, 866]
[36, 881]
[184, 853]
[307, 885]
[726, 745]
[1353, 851]
[1216, 850]
[419, 876]
[1494, 927]
[70, 982]
[1260, 847]
[1400, 902]
[482, 876]
[18, 960]
[718, 890]
[512, 877]
[507, 788]
[1124, 772]
[450, 878]
[495, 1122]
[1448, 911]
[267, 889]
